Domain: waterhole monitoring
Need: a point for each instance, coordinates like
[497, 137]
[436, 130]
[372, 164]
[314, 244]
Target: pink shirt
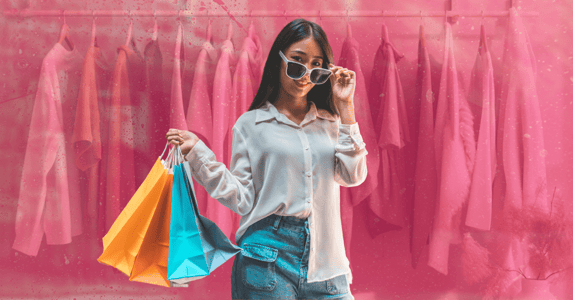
[454, 147]
[482, 96]
[425, 173]
[391, 123]
[49, 200]
[223, 109]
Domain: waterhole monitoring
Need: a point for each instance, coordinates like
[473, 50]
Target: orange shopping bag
[151, 262]
[123, 241]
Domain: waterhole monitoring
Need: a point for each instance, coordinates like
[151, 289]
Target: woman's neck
[291, 104]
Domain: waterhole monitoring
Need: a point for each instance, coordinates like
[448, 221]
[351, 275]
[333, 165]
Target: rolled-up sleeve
[233, 188]
[350, 156]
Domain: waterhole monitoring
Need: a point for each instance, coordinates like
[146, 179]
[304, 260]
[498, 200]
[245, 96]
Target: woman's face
[308, 53]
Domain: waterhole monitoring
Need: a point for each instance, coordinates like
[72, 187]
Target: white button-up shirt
[279, 167]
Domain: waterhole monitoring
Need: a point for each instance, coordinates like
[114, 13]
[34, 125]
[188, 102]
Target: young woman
[292, 150]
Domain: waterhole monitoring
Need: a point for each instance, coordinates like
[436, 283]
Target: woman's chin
[298, 91]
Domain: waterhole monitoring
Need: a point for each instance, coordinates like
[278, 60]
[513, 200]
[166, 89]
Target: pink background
[381, 266]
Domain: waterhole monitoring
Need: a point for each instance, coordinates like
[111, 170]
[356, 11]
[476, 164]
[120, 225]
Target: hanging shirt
[425, 173]
[157, 114]
[521, 179]
[177, 118]
[388, 203]
[279, 167]
[49, 200]
[86, 136]
[199, 111]
[482, 96]
[350, 58]
[87, 131]
[117, 179]
[246, 79]
[350, 197]
[454, 147]
[223, 106]
[140, 108]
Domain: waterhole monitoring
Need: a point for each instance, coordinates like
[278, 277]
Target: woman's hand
[186, 140]
[343, 83]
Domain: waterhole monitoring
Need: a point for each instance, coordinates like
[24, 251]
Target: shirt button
[308, 200]
[306, 148]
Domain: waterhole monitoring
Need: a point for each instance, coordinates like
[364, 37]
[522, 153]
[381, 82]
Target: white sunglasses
[296, 70]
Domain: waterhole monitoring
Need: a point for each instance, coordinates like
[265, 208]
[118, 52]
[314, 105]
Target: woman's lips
[301, 85]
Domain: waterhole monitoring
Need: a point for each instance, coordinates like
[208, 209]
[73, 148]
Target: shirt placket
[307, 172]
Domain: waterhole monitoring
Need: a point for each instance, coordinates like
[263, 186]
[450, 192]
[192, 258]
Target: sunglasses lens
[295, 70]
[319, 76]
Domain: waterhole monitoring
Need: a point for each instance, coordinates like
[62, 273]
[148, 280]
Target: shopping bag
[123, 241]
[150, 265]
[217, 246]
[197, 245]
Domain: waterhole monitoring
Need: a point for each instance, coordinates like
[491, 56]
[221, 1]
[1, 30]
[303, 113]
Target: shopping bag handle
[175, 157]
[166, 146]
[180, 156]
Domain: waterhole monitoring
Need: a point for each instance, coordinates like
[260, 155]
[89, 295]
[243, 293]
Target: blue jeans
[274, 264]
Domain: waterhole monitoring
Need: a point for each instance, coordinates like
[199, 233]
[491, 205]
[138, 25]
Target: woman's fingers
[173, 132]
[175, 140]
[343, 75]
[174, 137]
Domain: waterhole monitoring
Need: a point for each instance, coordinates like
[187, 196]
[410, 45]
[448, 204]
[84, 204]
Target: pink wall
[381, 266]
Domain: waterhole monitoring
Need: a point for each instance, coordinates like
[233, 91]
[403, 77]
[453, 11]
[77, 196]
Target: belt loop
[277, 221]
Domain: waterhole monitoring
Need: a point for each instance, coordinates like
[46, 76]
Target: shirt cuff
[199, 155]
[350, 137]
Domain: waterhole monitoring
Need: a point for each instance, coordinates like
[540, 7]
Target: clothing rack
[259, 13]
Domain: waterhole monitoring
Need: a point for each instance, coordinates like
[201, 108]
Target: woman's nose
[306, 77]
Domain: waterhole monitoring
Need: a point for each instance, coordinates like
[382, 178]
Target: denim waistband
[290, 220]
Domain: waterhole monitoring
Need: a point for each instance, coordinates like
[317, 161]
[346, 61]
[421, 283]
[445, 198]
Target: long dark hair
[293, 32]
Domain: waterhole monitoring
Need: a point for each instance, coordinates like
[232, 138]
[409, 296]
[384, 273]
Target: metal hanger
[65, 34]
[483, 41]
[94, 38]
[348, 29]
[154, 37]
[209, 45]
[421, 26]
[130, 29]
[209, 28]
[230, 29]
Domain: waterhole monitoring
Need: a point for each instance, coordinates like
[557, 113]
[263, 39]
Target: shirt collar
[268, 111]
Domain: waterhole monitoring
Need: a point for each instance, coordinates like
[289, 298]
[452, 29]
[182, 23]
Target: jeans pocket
[337, 285]
[258, 266]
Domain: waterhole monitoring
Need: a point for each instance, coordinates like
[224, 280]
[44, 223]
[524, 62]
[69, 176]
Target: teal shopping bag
[218, 248]
[196, 245]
